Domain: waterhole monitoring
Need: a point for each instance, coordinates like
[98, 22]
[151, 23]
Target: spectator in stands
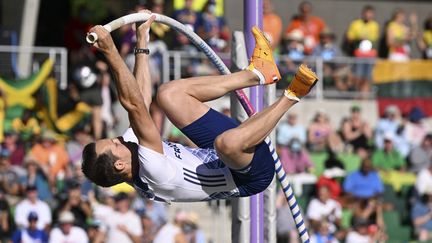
[320, 133]
[37, 177]
[421, 215]
[192, 230]
[415, 130]
[74, 203]
[188, 17]
[31, 233]
[362, 37]
[293, 47]
[213, 29]
[75, 146]
[357, 132]
[421, 156]
[27, 126]
[285, 225]
[51, 156]
[327, 48]
[86, 88]
[157, 212]
[172, 232]
[389, 123]
[15, 147]
[124, 225]
[424, 180]
[94, 232]
[5, 218]
[323, 208]
[289, 129]
[295, 159]
[330, 178]
[426, 39]
[32, 204]
[323, 234]
[66, 231]
[399, 35]
[364, 183]
[148, 227]
[388, 158]
[311, 26]
[297, 164]
[272, 25]
[362, 233]
[8, 177]
[370, 210]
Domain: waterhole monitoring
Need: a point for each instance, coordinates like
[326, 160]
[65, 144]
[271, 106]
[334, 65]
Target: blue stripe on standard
[202, 184]
[208, 176]
[205, 180]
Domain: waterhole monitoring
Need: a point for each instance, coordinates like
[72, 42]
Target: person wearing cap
[388, 159]
[389, 122]
[356, 131]
[421, 156]
[191, 229]
[31, 234]
[421, 214]
[289, 129]
[8, 176]
[124, 225]
[66, 231]
[51, 155]
[36, 176]
[172, 232]
[32, 204]
[415, 130]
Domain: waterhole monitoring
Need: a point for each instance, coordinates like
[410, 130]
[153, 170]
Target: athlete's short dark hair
[100, 168]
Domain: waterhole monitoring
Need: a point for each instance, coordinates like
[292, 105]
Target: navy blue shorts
[257, 176]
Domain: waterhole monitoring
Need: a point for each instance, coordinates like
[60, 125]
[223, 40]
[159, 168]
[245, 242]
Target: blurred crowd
[44, 196]
[358, 182]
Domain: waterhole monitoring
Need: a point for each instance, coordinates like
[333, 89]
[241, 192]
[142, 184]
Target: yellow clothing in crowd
[361, 30]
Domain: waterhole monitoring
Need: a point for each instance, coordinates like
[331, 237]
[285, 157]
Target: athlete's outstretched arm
[141, 68]
[129, 92]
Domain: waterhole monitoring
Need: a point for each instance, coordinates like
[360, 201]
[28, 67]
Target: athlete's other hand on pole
[104, 43]
[143, 29]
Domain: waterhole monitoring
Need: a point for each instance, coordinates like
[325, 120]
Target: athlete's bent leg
[236, 146]
[182, 100]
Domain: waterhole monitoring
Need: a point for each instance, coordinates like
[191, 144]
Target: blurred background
[358, 149]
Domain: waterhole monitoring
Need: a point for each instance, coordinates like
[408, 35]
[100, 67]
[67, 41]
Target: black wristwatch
[141, 50]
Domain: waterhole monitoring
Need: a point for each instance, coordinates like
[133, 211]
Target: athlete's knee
[166, 93]
[227, 145]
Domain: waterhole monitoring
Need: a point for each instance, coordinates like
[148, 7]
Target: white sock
[291, 97]
[260, 76]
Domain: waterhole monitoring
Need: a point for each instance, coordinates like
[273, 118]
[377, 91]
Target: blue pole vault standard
[197, 41]
[252, 15]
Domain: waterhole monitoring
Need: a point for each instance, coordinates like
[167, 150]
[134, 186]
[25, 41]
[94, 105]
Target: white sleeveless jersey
[181, 173]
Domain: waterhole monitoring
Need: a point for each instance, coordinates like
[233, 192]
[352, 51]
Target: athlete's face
[118, 149]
